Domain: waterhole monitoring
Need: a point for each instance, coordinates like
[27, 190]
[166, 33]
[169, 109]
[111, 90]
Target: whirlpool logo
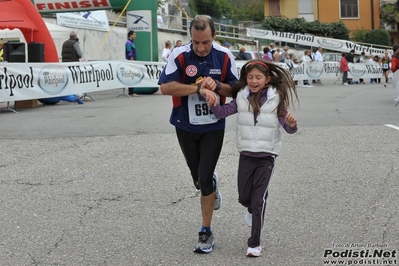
[357, 70]
[52, 79]
[129, 74]
[330, 43]
[314, 70]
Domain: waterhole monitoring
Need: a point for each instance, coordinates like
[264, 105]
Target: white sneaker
[345, 84]
[254, 252]
[248, 218]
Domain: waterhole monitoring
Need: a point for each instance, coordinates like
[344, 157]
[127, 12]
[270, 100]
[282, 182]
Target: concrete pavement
[105, 183]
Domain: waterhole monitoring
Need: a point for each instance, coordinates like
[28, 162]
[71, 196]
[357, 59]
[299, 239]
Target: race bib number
[385, 66]
[199, 112]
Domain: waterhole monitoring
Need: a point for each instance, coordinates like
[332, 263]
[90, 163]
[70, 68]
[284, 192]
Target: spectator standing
[285, 51]
[227, 45]
[71, 49]
[71, 52]
[202, 72]
[178, 43]
[344, 68]
[306, 59]
[130, 53]
[350, 58]
[288, 61]
[271, 51]
[377, 60]
[318, 57]
[166, 51]
[241, 55]
[266, 54]
[362, 60]
[159, 20]
[277, 55]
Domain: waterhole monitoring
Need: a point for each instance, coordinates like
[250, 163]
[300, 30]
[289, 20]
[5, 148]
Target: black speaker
[14, 52]
[35, 52]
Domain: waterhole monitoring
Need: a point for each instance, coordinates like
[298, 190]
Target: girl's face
[256, 80]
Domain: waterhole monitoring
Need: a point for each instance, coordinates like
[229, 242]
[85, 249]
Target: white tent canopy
[57, 32]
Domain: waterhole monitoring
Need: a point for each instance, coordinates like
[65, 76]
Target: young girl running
[261, 98]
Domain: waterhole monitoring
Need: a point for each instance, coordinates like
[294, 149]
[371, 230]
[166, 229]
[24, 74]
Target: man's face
[133, 36]
[202, 41]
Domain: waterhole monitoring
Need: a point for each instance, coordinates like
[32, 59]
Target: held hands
[208, 83]
[290, 120]
[210, 97]
[208, 86]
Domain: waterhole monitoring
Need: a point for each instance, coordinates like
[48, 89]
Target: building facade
[355, 14]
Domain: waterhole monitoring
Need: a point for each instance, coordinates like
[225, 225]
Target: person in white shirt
[306, 59]
[159, 20]
[318, 57]
[166, 51]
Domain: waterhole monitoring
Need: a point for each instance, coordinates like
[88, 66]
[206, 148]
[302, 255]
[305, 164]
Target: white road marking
[392, 126]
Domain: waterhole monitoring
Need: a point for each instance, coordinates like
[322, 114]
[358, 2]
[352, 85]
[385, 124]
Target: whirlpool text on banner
[24, 81]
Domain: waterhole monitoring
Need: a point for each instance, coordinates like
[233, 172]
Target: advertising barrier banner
[24, 81]
[315, 41]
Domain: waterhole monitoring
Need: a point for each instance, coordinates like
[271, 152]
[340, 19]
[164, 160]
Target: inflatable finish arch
[24, 15]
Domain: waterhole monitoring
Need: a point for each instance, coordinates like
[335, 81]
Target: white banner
[139, 20]
[24, 81]
[315, 41]
[92, 20]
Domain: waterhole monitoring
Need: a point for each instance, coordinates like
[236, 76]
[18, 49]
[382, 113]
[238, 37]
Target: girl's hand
[290, 120]
[210, 97]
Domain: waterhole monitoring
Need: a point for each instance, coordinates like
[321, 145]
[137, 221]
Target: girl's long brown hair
[280, 79]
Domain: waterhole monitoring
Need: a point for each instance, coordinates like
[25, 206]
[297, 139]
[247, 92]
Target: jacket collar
[270, 92]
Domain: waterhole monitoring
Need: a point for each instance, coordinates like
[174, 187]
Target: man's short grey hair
[72, 34]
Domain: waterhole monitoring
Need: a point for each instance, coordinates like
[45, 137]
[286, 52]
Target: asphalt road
[104, 183]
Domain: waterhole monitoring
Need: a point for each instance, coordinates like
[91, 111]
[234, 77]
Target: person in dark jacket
[70, 49]
[70, 53]
[241, 55]
[350, 58]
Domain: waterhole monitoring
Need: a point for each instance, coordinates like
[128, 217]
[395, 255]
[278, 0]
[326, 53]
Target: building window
[349, 8]
[305, 6]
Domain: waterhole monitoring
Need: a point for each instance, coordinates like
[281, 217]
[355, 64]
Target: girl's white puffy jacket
[264, 134]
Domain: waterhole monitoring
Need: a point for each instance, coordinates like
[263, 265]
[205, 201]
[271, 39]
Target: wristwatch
[218, 87]
[198, 90]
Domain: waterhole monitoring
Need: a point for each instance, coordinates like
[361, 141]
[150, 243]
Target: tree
[359, 35]
[213, 8]
[336, 30]
[247, 10]
[389, 13]
[379, 36]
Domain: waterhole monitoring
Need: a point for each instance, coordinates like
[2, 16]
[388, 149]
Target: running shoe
[218, 195]
[205, 243]
[248, 218]
[254, 252]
